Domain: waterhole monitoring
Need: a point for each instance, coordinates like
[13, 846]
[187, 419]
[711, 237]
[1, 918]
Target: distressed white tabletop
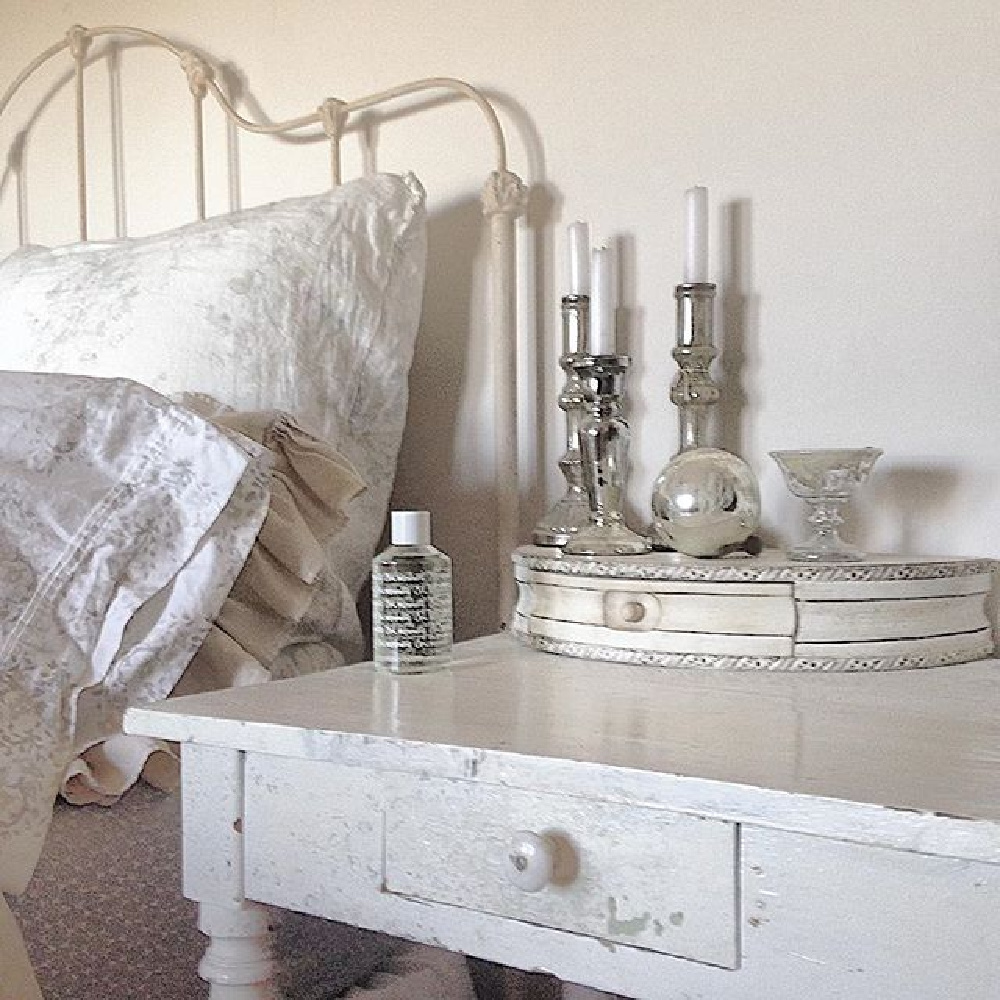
[910, 759]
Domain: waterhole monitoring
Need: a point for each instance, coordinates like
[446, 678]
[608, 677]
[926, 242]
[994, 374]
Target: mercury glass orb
[705, 501]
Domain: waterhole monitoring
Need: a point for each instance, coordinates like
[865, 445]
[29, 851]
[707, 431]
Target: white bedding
[309, 305]
[124, 521]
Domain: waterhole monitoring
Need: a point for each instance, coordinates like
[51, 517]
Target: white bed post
[198, 75]
[78, 39]
[504, 199]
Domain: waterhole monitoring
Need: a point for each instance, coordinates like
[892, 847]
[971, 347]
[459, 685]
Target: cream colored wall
[852, 153]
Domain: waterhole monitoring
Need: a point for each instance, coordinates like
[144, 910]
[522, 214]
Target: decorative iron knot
[504, 194]
[333, 112]
[78, 38]
[198, 72]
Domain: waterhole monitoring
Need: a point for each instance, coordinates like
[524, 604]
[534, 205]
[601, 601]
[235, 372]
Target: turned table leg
[237, 963]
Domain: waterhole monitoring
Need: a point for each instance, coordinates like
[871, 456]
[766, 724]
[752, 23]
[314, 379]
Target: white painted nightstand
[647, 831]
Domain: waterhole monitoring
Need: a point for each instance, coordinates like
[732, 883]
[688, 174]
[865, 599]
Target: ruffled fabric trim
[310, 483]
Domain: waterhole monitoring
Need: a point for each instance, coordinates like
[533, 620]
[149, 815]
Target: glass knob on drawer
[529, 861]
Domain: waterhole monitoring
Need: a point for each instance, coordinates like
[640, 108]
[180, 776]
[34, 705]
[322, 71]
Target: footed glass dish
[826, 479]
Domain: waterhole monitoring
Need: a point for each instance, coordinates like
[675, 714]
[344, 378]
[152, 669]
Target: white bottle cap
[411, 527]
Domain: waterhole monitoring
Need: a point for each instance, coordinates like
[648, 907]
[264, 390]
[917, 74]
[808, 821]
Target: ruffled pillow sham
[309, 484]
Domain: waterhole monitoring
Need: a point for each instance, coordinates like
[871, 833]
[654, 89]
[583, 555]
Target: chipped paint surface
[472, 762]
[807, 958]
[696, 889]
[450, 841]
[625, 927]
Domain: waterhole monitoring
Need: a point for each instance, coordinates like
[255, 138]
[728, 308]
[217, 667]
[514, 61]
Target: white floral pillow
[309, 305]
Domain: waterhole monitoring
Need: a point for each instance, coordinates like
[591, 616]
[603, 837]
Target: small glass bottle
[411, 599]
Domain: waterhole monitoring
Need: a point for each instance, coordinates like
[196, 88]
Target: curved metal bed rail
[332, 114]
[504, 197]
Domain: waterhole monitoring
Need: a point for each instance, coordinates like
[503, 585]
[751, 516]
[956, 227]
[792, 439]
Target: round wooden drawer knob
[529, 861]
[631, 612]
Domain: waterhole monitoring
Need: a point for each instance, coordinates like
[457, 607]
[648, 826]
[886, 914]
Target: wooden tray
[754, 613]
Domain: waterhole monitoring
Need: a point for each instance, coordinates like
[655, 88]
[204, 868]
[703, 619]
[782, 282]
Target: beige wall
[852, 153]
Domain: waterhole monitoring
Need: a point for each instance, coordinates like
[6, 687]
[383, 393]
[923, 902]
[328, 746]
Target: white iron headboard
[504, 197]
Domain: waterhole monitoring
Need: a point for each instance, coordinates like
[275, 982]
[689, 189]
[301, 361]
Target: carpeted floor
[104, 919]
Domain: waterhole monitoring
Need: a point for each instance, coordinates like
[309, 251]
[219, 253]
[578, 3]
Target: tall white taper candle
[696, 234]
[602, 303]
[578, 239]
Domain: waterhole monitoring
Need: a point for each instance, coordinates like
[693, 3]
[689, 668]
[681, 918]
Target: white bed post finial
[198, 74]
[333, 113]
[504, 194]
[504, 198]
[77, 38]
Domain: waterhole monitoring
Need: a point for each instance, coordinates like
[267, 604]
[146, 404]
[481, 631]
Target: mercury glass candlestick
[571, 511]
[706, 500]
[694, 390]
[604, 440]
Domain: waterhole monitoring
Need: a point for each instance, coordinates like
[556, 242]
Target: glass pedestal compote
[826, 478]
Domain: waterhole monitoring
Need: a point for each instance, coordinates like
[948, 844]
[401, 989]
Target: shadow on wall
[445, 462]
[908, 494]
[911, 493]
[993, 603]
[740, 322]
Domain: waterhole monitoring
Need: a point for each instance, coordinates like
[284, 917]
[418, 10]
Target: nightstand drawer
[629, 875]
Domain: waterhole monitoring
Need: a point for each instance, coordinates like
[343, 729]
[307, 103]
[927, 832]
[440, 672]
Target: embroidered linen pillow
[309, 305]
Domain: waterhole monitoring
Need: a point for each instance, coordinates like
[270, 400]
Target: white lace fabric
[124, 521]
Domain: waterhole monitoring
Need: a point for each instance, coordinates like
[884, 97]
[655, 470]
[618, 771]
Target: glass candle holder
[706, 501]
[604, 441]
[571, 511]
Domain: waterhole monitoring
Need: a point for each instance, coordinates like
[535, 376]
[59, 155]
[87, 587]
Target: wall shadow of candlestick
[740, 323]
[914, 493]
[538, 339]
